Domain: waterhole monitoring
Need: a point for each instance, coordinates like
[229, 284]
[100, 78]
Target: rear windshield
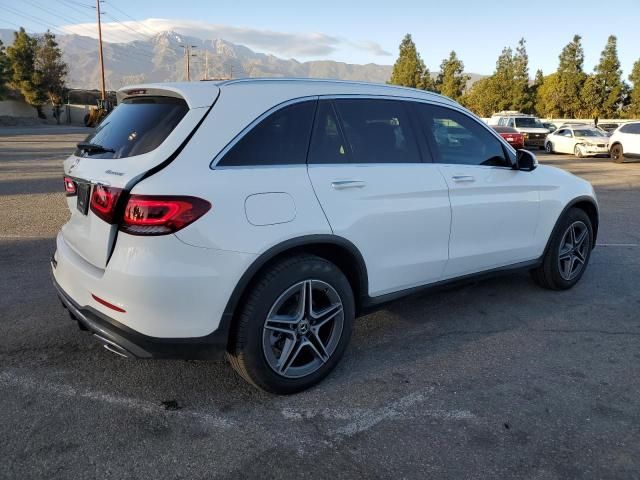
[136, 126]
[528, 122]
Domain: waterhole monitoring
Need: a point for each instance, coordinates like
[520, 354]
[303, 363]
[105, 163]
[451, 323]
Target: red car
[511, 135]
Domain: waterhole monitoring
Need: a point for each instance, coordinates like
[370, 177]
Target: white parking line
[13, 380]
[617, 245]
[363, 419]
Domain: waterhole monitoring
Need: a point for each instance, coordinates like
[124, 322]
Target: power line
[132, 19]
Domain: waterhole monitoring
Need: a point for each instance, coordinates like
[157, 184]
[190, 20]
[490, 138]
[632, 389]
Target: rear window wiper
[94, 147]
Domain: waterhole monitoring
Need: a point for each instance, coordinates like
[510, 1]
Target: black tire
[548, 147]
[617, 153]
[548, 274]
[87, 120]
[247, 353]
[577, 152]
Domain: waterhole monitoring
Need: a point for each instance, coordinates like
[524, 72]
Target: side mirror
[525, 160]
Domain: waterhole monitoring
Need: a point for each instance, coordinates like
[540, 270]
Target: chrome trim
[251, 125]
[343, 184]
[446, 104]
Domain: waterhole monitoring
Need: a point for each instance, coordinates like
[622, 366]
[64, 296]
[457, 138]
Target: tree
[571, 78]
[634, 96]
[521, 94]
[483, 98]
[549, 102]
[535, 90]
[603, 92]
[503, 79]
[5, 72]
[22, 56]
[409, 69]
[451, 80]
[50, 68]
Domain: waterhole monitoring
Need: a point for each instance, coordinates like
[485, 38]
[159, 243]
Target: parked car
[593, 126]
[259, 217]
[624, 142]
[608, 127]
[550, 126]
[530, 126]
[580, 141]
[511, 135]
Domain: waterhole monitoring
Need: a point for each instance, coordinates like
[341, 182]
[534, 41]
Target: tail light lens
[70, 187]
[103, 202]
[160, 215]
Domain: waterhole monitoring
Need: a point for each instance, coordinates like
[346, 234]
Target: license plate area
[82, 204]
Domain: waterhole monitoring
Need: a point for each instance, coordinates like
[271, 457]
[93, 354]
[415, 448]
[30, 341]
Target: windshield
[136, 126]
[528, 122]
[587, 132]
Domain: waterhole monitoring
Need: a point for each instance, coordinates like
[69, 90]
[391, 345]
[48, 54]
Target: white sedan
[581, 141]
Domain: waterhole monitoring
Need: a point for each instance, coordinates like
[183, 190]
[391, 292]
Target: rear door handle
[463, 178]
[343, 184]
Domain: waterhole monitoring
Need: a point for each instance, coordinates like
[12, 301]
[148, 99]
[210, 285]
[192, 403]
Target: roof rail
[326, 80]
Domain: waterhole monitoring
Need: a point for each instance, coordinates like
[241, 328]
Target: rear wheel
[568, 253]
[617, 153]
[295, 325]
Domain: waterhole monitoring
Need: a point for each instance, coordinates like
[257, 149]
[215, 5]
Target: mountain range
[161, 58]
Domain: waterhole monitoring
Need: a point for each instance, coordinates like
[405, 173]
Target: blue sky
[362, 32]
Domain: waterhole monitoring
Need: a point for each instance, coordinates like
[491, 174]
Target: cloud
[280, 43]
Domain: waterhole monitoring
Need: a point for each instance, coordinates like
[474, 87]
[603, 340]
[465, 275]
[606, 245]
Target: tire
[617, 153]
[271, 324]
[577, 151]
[87, 120]
[561, 274]
[548, 147]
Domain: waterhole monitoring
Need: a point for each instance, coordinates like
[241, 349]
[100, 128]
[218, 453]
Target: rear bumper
[126, 342]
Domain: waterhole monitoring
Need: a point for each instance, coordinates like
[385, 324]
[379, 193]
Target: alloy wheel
[573, 251]
[303, 328]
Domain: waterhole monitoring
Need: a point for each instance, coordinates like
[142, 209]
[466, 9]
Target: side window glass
[378, 131]
[327, 142]
[635, 128]
[512, 122]
[280, 139]
[459, 139]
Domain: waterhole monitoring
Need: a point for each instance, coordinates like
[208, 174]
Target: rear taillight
[103, 202]
[70, 187]
[160, 215]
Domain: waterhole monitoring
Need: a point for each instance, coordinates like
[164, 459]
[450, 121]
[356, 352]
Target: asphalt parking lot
[497, 379]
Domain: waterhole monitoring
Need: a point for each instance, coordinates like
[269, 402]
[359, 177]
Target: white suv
[624, 143]
[260, 217]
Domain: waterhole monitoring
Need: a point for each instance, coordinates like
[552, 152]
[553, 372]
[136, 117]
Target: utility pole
[103, 94]
[206, 65]
[187, 57]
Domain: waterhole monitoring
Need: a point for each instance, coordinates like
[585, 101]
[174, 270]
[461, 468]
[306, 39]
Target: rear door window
[378, 131]
[328, 145]
[282, 138]
[138, 125]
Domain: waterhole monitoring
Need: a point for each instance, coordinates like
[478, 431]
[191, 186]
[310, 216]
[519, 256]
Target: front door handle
[463, 178]
[343, 184]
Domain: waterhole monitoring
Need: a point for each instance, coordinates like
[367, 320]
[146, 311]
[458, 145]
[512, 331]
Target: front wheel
[568, 252]
[295, 325]
[548, 147]
[577, 151]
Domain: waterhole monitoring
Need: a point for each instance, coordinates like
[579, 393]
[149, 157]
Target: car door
[494, 207]
[365, 164]
[631, 142]
[564, 141]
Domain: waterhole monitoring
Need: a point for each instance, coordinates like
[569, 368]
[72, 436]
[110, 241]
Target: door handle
[343, 184]
[463, 178]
